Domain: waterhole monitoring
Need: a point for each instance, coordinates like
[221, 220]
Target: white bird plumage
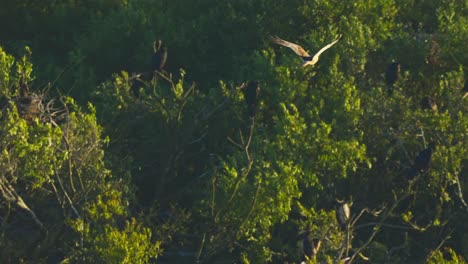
[308, 60]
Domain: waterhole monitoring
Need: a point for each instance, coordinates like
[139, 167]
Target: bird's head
[339, 202]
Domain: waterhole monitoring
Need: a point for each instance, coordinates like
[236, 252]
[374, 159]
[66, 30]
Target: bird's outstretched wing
[296, 48]
[316, 56]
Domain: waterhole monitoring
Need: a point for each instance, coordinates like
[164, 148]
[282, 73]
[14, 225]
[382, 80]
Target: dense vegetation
[99, 164]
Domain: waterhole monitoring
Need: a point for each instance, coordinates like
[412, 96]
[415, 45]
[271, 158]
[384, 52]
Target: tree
[58, 199]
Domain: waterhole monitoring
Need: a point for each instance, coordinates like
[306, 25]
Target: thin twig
[431, 254]
[242, 175]
[383, 224]
[235, 143]
[10, 194]
[365, 210]
[252, 207]
[379, 226]
[66, 193]
[202, 244]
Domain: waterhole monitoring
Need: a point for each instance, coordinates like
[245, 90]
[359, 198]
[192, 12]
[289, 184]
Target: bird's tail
[251, 110]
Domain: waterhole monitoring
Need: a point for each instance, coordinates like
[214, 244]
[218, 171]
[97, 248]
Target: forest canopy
[138, 131]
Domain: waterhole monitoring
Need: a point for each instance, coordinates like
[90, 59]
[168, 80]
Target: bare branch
[242, 175]
[66, 193]
[431, 254]
[9, 194]
[459, 192]
[383, 224]
[380, 224]
[252, 207]
[366, 210]
[235, 143]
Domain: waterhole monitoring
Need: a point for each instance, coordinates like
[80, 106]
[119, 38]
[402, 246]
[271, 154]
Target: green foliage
[107, 240]
[55, 176]
[132, 245]
[439, 256]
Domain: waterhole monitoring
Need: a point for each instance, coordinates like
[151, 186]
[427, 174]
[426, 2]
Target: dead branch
[10, 195]
[381, 223]
[66, 193]
[366, 210]
[459, 192]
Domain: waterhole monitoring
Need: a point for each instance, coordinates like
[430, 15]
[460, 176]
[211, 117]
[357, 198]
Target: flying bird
[308, 60]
